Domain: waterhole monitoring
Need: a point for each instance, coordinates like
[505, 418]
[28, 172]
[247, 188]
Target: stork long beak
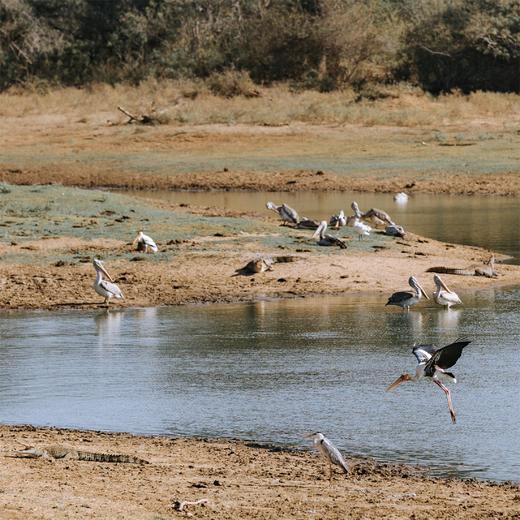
[398, 381]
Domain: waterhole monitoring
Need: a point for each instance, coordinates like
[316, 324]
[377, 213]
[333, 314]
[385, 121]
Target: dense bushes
[319, 44]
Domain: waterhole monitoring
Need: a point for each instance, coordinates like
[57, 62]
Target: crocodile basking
[487, 269]
[55, 452]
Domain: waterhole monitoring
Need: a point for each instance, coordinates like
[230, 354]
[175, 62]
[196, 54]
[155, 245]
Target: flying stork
[433, 362]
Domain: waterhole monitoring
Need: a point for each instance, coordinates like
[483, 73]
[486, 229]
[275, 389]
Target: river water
[484, 221]
[272, 371]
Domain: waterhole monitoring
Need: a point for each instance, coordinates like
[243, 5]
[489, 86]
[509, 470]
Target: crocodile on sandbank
[487, 269]
[55, 452]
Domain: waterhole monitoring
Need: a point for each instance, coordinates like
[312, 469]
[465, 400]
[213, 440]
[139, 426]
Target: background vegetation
[233, 45]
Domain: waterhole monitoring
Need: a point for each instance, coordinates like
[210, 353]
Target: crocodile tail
[110, 457]
[448, 270]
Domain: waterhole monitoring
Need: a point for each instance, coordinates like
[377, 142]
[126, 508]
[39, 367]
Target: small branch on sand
[179, 506]
[143, 119]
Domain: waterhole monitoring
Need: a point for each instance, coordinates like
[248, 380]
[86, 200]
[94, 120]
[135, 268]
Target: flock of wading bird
[432, 362]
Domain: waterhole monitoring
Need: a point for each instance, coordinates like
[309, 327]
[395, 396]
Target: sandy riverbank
[239, 480]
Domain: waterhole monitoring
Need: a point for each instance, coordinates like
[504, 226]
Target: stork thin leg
[446, 390]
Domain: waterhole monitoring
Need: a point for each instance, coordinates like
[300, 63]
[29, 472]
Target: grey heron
[406, 298]
[328, 451]
[443, 295]
[433, 362]
[107, 289]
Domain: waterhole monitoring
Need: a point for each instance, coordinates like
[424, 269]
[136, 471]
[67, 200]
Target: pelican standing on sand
[443, 295]
[287, 214]
[406, 298]
[145, 243]
[433, 363]
[103, 287]
[327, 240]
[328, 451]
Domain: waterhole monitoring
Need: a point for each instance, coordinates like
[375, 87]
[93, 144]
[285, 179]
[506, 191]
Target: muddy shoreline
[238, 480]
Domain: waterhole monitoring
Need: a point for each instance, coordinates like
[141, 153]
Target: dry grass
[192, 103]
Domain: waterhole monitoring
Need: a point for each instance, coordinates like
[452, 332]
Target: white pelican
[401, 198]
[287, 214]
[328, 451]
[327, 240]
[406, 298]
[433, 363]
[145, 243]
[361, 229]
[443, 295]
[102, 287]
[338, 220]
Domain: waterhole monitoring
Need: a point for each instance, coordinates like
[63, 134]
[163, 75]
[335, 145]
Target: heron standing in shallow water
[406, 298]
[107, 289]
[443, 295]
[433, 362]
[328, 451]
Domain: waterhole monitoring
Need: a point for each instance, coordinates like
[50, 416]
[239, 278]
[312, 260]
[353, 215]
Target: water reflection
[484, 221]
[271, 371]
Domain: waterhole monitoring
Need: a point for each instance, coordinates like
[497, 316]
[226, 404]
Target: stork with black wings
[434, 363]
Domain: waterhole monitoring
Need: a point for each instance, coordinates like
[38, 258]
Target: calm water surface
[271, 371]
[491, 222]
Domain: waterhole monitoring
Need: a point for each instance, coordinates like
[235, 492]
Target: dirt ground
[100, 151]
[239, 480]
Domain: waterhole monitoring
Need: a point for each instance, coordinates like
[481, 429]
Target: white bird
[327, 240]
[328, 451]
[361, 229]
[287, 214]
[443, 295]
[145, 243]
[338, 220]
[401, 198]
[103, 287]
[433, 362]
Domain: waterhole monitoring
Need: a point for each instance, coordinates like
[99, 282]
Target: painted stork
[287, 214]
[327, 240]
[328, 451]
[443, 295]
[433, 362]
[406, 298]
[107, 289]
[145, 243]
